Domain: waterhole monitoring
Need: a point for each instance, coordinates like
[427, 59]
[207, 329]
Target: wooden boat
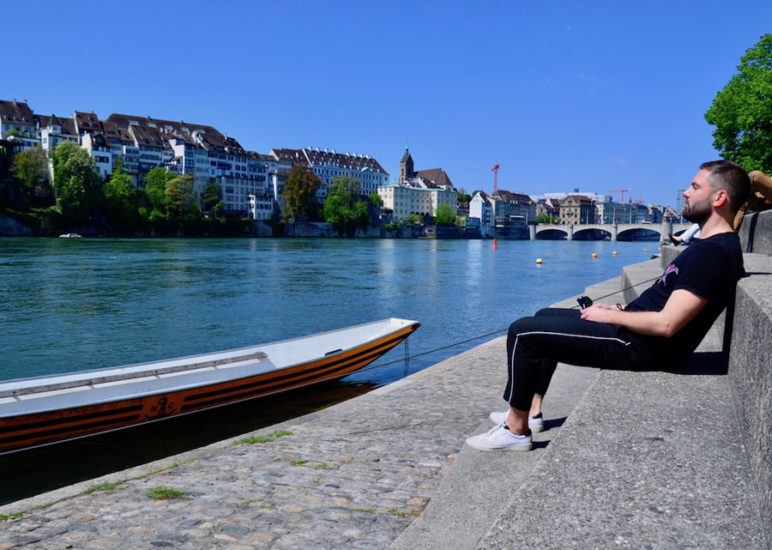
[48, 409]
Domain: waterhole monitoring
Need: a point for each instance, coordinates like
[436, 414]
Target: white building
[404, 200]
[100, 149]
[54, 130]
[419, 192]
[17, 123]
[481, 209]
[206, 154]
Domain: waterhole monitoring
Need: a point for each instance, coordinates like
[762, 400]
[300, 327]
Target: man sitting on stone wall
[665, 324]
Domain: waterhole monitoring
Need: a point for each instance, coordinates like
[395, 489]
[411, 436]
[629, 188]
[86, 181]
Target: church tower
[406, 170]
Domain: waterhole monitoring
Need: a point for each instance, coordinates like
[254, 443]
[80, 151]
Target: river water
[75, 304]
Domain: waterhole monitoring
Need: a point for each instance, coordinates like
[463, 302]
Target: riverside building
[54, 130]
[577, 209]
[481, 210]
[507, 205]
[328, 165]
[419, 193]
[250, 182]
[17, 123]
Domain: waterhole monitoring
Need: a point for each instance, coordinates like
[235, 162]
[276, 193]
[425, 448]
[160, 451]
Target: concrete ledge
[669, 254]
[750, 372]
[638, 277]
[646, 460]
[658, 459]
[756, 232]
[750, 352]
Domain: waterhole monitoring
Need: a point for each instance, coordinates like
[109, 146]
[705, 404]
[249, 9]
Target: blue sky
[597, 95]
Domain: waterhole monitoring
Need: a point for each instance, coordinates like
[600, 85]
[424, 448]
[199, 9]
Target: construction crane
[495, 171]
[623, 191]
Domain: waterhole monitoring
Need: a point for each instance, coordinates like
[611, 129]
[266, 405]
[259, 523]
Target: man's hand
[682, 306]
[600, 313]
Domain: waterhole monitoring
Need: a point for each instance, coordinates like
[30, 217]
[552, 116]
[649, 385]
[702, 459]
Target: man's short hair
[727, 175]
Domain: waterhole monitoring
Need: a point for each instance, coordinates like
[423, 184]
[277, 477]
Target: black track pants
[535, 345]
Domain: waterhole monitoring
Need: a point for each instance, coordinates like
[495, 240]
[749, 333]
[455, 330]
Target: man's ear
[720, 198]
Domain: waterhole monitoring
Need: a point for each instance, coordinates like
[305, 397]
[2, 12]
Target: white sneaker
[535, 423]
[501, 439]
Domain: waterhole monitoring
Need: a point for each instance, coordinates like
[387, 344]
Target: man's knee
[514, 328]
[524, 324]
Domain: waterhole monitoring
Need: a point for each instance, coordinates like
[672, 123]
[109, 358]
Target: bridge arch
[652, 233]
[551, 233]
[592, 234]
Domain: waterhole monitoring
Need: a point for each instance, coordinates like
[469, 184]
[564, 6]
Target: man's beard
[698, 212]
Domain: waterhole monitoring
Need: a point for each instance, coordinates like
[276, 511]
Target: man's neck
[714, 225]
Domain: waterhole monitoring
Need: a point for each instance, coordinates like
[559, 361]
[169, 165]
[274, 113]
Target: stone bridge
[616, 231]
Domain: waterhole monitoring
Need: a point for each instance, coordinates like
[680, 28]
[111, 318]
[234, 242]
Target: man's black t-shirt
[709, 268]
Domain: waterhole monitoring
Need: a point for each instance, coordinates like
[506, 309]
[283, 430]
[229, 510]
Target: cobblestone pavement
[351, 476]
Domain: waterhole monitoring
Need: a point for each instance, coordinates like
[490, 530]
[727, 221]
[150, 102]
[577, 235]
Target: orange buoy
[645, 249]
[495, 246]
[594, 254]
[615, 253]
[539, 261]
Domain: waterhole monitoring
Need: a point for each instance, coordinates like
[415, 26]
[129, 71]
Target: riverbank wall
[627, 460]
[11, 227]
[749, 335]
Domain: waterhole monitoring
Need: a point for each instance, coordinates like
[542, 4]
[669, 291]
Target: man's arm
[682, 306]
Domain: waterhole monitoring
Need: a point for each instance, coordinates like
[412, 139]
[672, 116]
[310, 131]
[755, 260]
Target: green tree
[155, 191]
[463, 196]
[414, 219]
[446, 215]
[121, 205]
[78, 186]
[375, 199]
[742, 111]
[211, 199]
[300, 192]
[60, 155]
[343, 207]
[30, 168]
[180, 198]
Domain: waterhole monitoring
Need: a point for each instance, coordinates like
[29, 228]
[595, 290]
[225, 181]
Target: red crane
[623, 191]
[495, 171]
